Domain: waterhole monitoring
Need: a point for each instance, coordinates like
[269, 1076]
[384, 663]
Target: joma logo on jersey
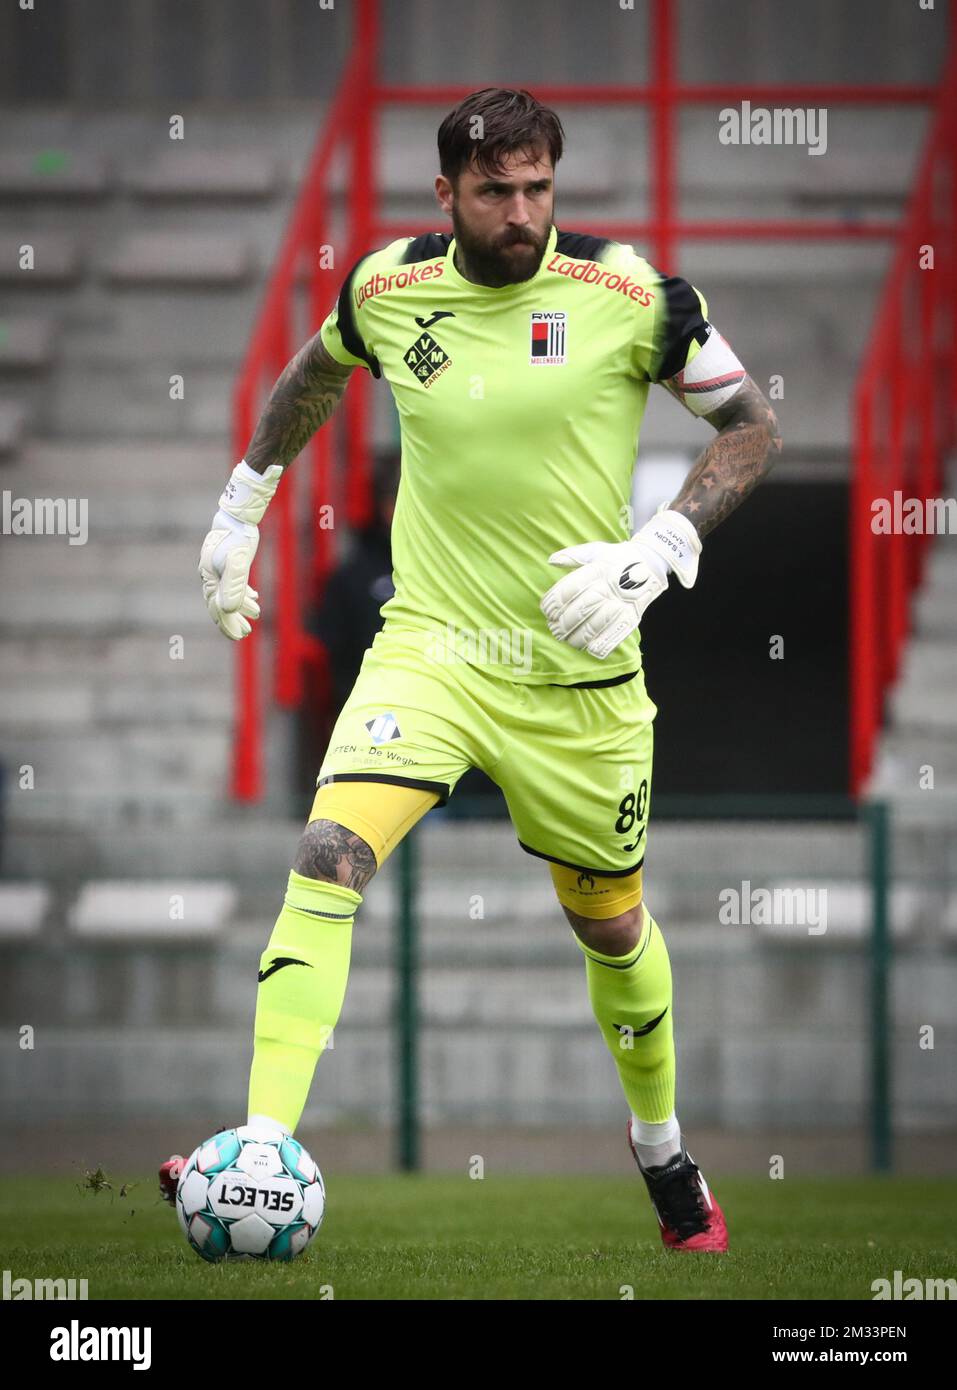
[548, 338]
[426, 360]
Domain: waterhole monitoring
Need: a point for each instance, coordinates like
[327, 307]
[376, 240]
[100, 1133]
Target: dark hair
[510, 121]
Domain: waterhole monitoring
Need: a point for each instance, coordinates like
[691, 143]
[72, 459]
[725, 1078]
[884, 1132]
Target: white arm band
[711, 378]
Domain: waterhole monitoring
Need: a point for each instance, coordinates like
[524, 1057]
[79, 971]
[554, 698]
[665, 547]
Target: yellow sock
[631, 999]
[302, 983]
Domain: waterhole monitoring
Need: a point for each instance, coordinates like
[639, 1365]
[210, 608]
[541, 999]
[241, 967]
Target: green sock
[627, 994]
[302, 983]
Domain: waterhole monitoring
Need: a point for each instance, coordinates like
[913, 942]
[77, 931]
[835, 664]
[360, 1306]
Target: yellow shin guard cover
[631, 999]
[302, 983]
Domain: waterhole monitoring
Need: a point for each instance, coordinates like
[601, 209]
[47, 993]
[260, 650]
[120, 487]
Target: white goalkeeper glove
[603, 601]
[230, 548]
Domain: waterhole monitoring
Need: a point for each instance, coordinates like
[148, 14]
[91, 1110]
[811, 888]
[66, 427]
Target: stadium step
[166, 258]
[191, 325]
[14, 420]
[110, 465]
[923, 699]
[251, 849]
[935, 608]
[54, 173]
[916, 761]
[175, 606]
[26, 343]
[906, 760]
[56, 259]
[173, 699]
[136, 396]
[116, 657]
[124, 763]
[203, 174]
[42, 558]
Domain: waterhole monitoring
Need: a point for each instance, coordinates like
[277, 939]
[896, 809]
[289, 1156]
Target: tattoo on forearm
[307, 392]
[734, 462]
[329, 851]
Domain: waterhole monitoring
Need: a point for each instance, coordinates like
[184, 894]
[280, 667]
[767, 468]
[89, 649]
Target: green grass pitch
[514, 1237]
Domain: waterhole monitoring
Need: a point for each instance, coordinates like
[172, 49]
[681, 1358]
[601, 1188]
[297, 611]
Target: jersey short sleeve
[669, 322]
[681, 327]
[340, 331]
[690, 354]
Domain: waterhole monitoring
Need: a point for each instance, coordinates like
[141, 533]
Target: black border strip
[613, 965]
[583, 869]
[442, 788]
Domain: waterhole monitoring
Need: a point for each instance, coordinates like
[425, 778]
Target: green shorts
[574, 763]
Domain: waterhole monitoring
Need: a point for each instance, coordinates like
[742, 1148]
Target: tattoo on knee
[329, 851]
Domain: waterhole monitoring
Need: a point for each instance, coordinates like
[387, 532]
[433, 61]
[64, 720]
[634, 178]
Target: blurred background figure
[347, 615]
[343, 620]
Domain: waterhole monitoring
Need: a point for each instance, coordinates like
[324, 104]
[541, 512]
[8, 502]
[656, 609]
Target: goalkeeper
[520, 358]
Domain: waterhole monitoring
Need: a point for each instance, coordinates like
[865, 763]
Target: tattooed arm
[614, 584]
[303, 398]
[733, 463]
[307, 392]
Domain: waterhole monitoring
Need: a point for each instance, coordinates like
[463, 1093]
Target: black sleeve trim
[581, 246]
[426, 247]
[348, 331]
[684, 324]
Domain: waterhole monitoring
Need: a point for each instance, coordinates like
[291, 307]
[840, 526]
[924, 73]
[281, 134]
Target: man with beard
[520, 358]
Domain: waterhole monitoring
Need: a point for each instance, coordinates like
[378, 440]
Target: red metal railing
[348, 131]
[904, 417]
[352, 127]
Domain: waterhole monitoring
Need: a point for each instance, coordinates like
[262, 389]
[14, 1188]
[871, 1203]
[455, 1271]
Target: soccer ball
[250, 1193]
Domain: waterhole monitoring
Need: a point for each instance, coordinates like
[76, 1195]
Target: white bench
[159, 910]
[23, 907]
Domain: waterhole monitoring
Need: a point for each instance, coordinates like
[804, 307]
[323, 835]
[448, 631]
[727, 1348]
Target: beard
[494, 262]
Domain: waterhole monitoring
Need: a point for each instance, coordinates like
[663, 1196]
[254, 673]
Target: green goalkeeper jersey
[519, 409]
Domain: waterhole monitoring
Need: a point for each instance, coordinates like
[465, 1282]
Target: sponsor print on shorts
[384, 728]
[548, 338]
